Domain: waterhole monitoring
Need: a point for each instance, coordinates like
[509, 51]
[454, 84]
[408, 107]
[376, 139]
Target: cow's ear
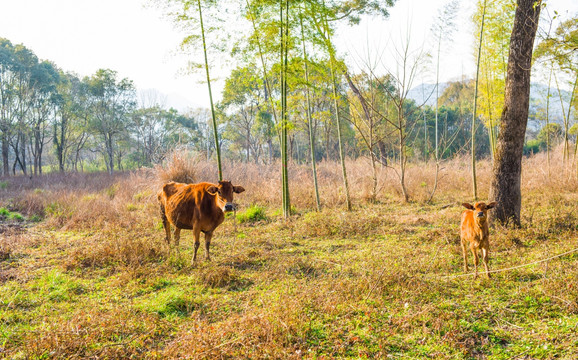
[212, 190]
[468, 206]
[170, 188]
[238, 189]
[491, 205]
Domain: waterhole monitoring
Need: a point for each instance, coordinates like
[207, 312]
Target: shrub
[179, 166]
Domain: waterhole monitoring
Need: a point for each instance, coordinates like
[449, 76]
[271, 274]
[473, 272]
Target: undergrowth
[95, 279]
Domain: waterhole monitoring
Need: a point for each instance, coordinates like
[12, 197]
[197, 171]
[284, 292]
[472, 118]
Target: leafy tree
[45, 78]
[23, 65]
[243, 96]
[188, 15]
[560, 49]
[7, 100]
[111, 102]
[498, 20]
[443, 28]
[368, 102]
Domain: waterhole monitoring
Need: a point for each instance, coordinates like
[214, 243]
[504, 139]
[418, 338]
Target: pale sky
[83, 36]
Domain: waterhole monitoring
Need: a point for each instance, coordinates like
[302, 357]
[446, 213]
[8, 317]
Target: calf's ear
[468, 206]
[238, 189]
[491, 205]
[212, 190]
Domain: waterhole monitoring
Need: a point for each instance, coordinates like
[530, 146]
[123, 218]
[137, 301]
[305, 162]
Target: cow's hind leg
[177, 234]
[196, 236]
[208, 237]
[167, 226]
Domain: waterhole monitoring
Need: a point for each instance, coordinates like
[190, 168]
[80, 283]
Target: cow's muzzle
[481, 214]
[229, 207]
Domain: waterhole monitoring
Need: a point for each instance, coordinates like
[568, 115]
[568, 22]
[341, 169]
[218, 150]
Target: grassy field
[87, 273]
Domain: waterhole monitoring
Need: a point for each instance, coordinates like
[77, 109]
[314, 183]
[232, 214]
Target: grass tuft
[252, 214]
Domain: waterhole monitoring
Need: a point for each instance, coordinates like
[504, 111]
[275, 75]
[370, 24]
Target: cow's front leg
[196, 235]
[208, 237]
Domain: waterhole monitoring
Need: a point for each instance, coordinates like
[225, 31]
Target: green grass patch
[252, 214]
[11, 215]
[170, 302]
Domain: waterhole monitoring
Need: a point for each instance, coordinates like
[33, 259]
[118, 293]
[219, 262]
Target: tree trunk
[383, 152]
[507, 169]
[109, 157]
[214, 117]
[474, 179]
[5, 153]
[284, 116]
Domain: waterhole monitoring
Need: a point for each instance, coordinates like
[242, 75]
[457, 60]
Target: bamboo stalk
[217, 147]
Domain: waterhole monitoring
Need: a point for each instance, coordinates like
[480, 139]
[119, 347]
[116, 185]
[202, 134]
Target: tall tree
[498, 19]
[111, 102]
[560, 49]
[507, 168]
[308, 112]
[284, 28]
[45, 79]
[474, 180]
[188, 15]
[7, 96]
[243, 97]
[217, 146]
[443, 29]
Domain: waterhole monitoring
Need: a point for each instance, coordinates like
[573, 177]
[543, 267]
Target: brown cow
[198, 207]
[474, 231]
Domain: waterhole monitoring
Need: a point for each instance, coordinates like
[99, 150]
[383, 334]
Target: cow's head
[480, 210]
[224, 194]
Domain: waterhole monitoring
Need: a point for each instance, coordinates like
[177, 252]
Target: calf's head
[480, 210]
[224, 194]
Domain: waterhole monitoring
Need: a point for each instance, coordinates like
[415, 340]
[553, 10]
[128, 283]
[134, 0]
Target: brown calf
[474, 231]
[198, 207]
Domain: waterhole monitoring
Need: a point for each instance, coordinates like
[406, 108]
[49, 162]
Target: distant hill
[425, 94]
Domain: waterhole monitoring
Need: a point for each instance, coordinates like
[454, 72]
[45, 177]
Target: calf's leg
[486, 259]
[465, 256]
[476, 261]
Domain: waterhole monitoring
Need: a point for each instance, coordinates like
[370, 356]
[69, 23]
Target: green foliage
[554, 131]
[534, 146]
[252, 214]
[10, 215]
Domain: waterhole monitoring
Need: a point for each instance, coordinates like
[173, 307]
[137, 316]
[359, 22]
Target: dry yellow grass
[94, 278]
